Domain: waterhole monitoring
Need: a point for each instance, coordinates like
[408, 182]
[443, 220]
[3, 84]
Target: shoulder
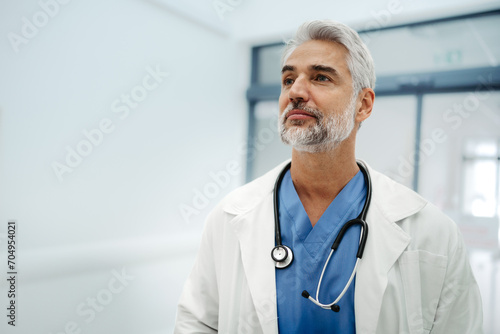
[394, 200]
[415, 215]
[246, 197]
[432, 228]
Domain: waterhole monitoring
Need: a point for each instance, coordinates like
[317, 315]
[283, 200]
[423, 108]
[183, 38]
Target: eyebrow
[287, 68]
[316, 68]
[323, 68]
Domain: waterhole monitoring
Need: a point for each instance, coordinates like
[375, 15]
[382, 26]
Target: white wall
[119, 207]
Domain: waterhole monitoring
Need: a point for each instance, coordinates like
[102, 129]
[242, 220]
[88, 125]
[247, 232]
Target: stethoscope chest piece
[282, 256]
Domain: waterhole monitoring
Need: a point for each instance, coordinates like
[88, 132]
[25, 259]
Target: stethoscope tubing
[360, 220]
[277, 227]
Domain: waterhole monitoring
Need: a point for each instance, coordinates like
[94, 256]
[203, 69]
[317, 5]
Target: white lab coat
[414, 276]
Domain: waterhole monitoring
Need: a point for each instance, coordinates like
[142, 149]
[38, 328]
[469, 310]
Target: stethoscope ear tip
[335, 308]
[305, 294]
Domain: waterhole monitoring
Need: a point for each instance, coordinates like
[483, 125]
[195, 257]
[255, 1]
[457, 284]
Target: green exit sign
[448, 57]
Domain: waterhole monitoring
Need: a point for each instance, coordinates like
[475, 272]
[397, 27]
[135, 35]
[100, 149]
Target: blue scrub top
[311, 247]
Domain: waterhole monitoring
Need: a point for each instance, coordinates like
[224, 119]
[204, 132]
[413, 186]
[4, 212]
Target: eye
[287, 81]
[321, 77]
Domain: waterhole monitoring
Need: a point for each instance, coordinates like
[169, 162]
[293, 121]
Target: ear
[364, 108]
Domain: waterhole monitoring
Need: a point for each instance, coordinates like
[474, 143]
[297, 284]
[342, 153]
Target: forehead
[317, 52]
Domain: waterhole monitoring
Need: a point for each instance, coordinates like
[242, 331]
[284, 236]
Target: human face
[317, 106]
[325, 135]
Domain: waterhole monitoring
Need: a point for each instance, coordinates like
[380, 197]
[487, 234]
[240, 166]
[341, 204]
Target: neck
[319, 177]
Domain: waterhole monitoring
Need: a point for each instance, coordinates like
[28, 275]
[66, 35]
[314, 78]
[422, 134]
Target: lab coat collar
[395, 201]
[247, 197]
[253, 225]
[252, 206]
[255, 232]
[391, 202]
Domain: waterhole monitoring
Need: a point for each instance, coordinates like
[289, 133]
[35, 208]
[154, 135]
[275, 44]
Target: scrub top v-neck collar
[311, 247]
[313, 238]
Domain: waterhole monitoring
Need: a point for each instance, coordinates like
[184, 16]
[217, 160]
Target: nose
[299, 91]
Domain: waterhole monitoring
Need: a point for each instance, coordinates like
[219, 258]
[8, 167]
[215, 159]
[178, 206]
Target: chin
[317, 148]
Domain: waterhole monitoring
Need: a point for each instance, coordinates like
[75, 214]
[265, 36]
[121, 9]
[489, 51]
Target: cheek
[283, 103]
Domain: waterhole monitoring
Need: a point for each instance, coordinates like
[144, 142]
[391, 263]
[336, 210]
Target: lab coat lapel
[386, 242]
[256, 243]
[253, 225]
[371, 277]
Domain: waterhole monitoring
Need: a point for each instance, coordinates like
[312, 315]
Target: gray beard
[328, 132]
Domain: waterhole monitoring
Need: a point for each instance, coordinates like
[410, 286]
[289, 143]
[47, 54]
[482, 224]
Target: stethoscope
[283, 255]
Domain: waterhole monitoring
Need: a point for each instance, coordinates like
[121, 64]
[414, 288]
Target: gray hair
[359, 59]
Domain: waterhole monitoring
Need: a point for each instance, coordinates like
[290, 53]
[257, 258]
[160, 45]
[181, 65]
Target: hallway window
[481, 161]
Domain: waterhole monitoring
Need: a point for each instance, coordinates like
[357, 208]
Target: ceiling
[263, 20]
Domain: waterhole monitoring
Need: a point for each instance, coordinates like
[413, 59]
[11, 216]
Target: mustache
[302, 106]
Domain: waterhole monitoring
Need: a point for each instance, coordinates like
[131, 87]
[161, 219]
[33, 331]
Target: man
[414, 275]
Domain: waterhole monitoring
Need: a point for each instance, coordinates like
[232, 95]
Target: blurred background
[123, 123]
